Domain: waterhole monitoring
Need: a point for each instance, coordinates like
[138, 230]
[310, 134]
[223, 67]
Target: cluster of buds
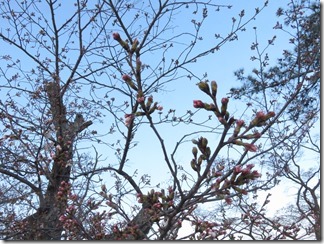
[149, 107]
[64, 191]
[212, 92]
[240, 176]
[205, 153]
[123, 43]
[261, 118]
[222, 114]
[93, 205]
[159, 201]
[69, 224]
[239, 125]
[130, 50]
[243, 175]
[237, 137]
[207, 230]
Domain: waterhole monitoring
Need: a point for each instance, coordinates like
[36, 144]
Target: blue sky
[219, 66]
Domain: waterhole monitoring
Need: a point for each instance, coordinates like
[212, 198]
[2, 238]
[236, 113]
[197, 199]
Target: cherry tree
[295, 155]
[79, 86]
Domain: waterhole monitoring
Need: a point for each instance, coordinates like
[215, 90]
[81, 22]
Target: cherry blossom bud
[228, 200]
[126, 78]
[149, 102]
[214, 88]
[244, 192]
[224, 105]
[204, 87]
[224, 100]
[240, 123]
[103, 188]
[140, 99]
[116, 36]
[138, 65]
[260, 115]
[259, 119]
[194, 141]
[134, 46]
[129, 81]
[193, 165]
[256, 174]
[237, 169]
[204, 142]
[194, 151]
[257, 135]
[198, 104]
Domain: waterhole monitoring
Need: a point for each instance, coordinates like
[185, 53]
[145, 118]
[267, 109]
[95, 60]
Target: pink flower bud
[260, 115]
[256, 174]
[257, 135]
[224, 105]
[198, 104]
[140, 99]
[238, 169]
[250, 166]
[240, 122]
[228, 200]
[126, 78]
[224, 100]
[244, 192]
[116, 36]
[62, 218]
